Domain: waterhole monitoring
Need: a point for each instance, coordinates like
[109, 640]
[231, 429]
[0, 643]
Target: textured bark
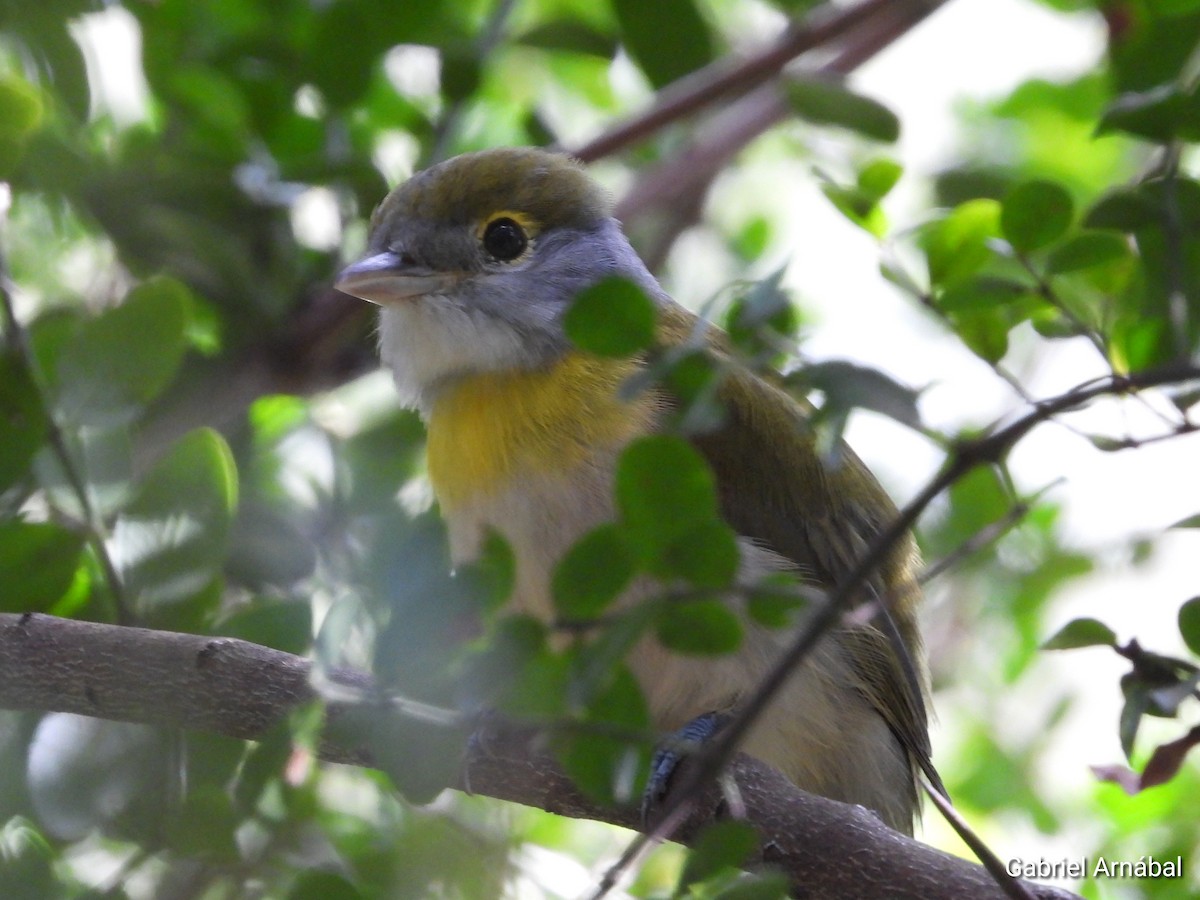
[239, 689]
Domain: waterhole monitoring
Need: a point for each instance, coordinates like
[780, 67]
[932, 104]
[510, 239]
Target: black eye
[504, 239]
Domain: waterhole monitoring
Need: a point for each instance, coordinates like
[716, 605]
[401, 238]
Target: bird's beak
[385, 278]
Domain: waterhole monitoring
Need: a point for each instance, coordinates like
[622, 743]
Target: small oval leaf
[722, 845]
[1086, 251]
[664, 490]
[1189, 624]
[667, 38]
[38, 561]
[121, 360]
[592, 573]
[611, 318]
[699, 628]
[824, 102]
[1035, 214]
[1081, 633]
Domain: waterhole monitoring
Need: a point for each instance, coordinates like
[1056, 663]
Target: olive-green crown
[552, 189]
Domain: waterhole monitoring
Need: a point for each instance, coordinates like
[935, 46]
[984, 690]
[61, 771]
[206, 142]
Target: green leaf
[20, 116]
[422, 757]
[707, 556]
[204, 826]
[121, 360]
[517, 672]
[664, 490]
[1035, 214]
[761, 320]
[283, 625]
[956, 247]
[461, 73]
[753, 238]
[858, 206]
[39, 561]
[1123, 209]
[699, 628]
[847, 386]
[1150, 204]
[572, 35]
[1086, 250]
[23, 421]
[20, 108]
[1162, 114]
[1189, 624]
[170, 541]
[982, 293]
[757, 886]
[667, 38]
[381, 459]
[593, 662]
[878, 177]
[1081, 633]
[592, 573]
[317, 885]
[720, 846]
[775, 600]
[1189, 522]
[985, 332]
[599, 762]
[612, 318]
[269, 548]
[826, 102]
[490, 577]
[1137, 704]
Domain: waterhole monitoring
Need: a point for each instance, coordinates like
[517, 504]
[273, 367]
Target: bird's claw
[671, 753]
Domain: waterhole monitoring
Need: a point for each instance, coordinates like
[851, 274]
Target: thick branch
[240, 689]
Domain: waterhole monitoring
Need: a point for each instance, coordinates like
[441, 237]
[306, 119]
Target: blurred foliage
[188, 441]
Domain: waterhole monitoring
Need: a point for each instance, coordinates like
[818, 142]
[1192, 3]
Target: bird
[474, 262]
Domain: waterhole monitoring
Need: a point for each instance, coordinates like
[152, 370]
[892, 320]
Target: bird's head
[474, 261]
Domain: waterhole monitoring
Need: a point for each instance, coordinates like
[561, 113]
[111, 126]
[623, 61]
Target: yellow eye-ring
[505, 236]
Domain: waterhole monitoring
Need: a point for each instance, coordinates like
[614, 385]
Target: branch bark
[239, 689]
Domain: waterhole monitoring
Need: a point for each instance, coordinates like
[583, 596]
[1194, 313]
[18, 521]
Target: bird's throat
[488, 430]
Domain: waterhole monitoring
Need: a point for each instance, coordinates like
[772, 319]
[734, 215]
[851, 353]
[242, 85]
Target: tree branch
[239, 689]
[729, 77]
[671, 194]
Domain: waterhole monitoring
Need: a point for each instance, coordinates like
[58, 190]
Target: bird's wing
[775, 489]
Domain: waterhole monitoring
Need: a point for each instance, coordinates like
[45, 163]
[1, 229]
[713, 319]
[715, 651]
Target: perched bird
[474, 262]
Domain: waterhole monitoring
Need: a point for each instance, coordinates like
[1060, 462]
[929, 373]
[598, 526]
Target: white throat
[428, 340]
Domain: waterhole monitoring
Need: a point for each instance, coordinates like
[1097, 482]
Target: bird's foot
[671, 754]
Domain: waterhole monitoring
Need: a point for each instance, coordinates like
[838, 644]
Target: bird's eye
[504, 239]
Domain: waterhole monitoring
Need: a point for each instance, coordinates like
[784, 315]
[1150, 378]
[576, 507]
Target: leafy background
[193, 437]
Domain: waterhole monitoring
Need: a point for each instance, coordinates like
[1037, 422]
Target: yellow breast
[488, 429]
